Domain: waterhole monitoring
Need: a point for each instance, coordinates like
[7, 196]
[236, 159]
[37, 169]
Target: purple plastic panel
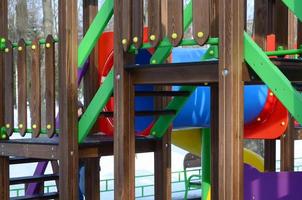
[271, 185]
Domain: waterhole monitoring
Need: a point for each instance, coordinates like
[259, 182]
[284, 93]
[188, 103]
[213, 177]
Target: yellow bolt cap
[124, 41]
[152, 37]
[7, 125]
[200, 34]
[6, 50]
[135, 39]
[20, 125]
[20, 48]
[34, 126]
[174, 36]
[33, 47]
[48, 126]
[47, 45]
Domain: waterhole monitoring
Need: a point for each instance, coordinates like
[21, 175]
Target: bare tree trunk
[22, 19]
[47, 17]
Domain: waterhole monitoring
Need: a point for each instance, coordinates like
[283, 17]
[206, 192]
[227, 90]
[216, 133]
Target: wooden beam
[4, 162]
[162, 155]
[231, 27]
[92, 165]
[261, 22]
[270, 155]
[214, 142]
[288, 147]
[124, 136]
[68, 142]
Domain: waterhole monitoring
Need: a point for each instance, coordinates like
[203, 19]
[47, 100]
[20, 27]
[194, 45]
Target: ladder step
[162, 93]
[51, 195]
[144, 113]
[32, 179]
[21, 160]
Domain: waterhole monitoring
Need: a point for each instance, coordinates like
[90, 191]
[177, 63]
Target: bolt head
[33, 47]
[47, 45]
[152, 37]
[20, 126]
[124, 41]
[20, 48]
[48, 126]
[200, 34]
[6, 50]
[225, 72]
[174, 36]
[135, 39]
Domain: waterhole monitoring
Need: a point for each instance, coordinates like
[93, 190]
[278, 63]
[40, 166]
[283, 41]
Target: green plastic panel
[273, 78]
[96, 106]
[94, 32]
[162, 53]
[206, 164]
[295, 6]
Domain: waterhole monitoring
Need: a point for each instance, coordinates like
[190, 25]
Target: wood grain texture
[214, 142]
[175, 21]
[35, 99]
[270, 155]
[22, 87]
[124, 137]
[299, 31]
[287, 143]
[126, 23]
[137, 22]
[9, 89]
[281, 24]
[201, 20]
[92, 178]
[231, 26]
[154, 22]
[50, 98]
[68, 139]
[214, 18]
[261, 22]
[4, 161]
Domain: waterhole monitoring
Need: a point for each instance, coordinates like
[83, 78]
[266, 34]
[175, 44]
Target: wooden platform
[48, 148]
[204, 72]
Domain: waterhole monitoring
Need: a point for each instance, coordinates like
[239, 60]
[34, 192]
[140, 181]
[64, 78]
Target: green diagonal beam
[295, 6]
[96, 106]
[273, 77]
[162, 53]
[94, 32]
[163, 122]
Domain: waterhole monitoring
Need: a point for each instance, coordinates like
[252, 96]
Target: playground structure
[152, 94]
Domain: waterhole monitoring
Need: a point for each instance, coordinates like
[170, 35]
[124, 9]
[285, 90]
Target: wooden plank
[154, 22]
[299, 31]
[137, 22]
[162, 155]
[124, 137]
[287, 143]
[68, 140]
[201, 21]
[4, 161]
[50, 81]
[22, 87]
[175, 21]
[214, 18]
[9, 89]
[270, 155]
[214, 141]
[35, 100]
[281, 24]
[231, 99]
[261, 22]
[41, 151]
[92, 178]
[126, 23]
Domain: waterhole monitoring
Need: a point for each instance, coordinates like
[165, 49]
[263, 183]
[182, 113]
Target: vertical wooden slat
[9, 88]
[281, 24]
[126, 23]
[154, 22]
[299, 31]
[22, 87]
[270, 155]
[164, 17]
[214, 18]
[231, 26]
[92, 178]
[201, 21]
[124, 137]
[175, 21]
[137, 22]
[287, 142]
[50, 85]
[261, 22]
[4, 162]
[214, 142]
[35, 100]
[68, 137]
[92, 168]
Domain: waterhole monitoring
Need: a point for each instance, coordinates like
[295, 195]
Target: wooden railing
[21, 52]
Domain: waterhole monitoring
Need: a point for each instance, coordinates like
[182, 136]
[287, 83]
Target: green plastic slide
[273, 77]
[295, 6]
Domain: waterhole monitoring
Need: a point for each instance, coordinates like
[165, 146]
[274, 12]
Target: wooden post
[162, 156]
[287, 147]
[4, 162]
[92, 165]
[124, 136]
[214, 142]
[231, 27]
[68, 143]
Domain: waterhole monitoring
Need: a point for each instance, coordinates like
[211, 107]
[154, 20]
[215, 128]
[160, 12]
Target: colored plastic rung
[94, 32]
[273, 77]
[295, 6]
[96, 106]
